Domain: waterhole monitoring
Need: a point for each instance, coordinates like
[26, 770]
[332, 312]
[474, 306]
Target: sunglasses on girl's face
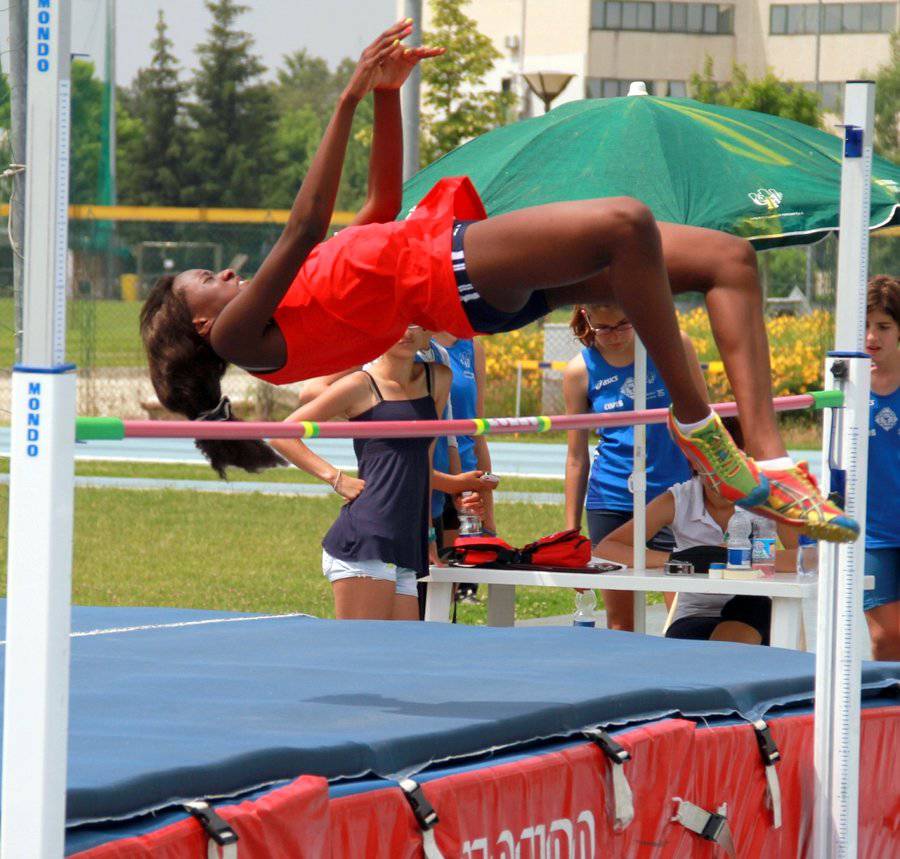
[624, 325]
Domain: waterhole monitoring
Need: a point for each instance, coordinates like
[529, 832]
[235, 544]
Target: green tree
[150, 168]
[84, 139]
[232, 117]
[296, 137]
[456, 106]
[5, 117]
[306, 82]
[887, 102]
[306, 92]
[767, 94]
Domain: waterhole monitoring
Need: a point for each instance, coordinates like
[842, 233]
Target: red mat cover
[558, 804]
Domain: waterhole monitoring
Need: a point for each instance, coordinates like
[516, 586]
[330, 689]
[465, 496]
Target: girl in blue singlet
[882, 605]
[467, 400]
[601, 379]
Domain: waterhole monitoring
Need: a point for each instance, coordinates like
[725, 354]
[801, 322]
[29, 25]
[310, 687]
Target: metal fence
[116, 253]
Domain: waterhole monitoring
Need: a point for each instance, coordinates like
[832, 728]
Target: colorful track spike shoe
[713, 453]
[795, 499]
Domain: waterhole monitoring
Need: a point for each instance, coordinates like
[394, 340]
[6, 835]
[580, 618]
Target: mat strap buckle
[623, 799]
[219, 831]
[770, 756]
[425, 815]
[709, 825]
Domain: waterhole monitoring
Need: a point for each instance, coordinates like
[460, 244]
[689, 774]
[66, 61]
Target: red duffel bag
[478, 551]
[564, 549]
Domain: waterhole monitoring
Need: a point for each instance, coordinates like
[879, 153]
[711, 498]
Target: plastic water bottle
[807, 557]
[738, 540]
[469, 523]
[763, 555]
[585, 603]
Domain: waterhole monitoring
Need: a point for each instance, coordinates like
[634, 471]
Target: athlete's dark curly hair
[187, 374]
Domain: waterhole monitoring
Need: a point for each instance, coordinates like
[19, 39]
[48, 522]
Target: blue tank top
[389, 519]
[611, 389]
[440, 457]
[463, 396]
[883, 482]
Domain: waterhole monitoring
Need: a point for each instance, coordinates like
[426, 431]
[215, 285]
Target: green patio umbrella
[772, 180]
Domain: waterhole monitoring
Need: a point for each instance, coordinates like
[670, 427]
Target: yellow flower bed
[501, 351]
[797, 347]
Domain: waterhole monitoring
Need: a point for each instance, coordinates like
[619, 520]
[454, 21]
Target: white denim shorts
[404, 578]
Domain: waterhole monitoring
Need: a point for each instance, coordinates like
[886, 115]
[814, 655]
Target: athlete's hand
[350, 488]
[398, 64]
[369, 71]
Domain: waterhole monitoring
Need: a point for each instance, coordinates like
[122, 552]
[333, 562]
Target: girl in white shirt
[698, 516]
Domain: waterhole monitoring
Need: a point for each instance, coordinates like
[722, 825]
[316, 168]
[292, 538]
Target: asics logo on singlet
[561, 837]
[602, 383]
[886, 419]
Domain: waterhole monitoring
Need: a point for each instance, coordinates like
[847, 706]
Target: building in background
[606, 44]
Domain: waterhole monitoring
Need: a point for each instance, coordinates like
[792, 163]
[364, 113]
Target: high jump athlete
[315, 307]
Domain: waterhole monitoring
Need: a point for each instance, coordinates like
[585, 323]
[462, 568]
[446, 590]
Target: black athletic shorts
[754, 611]
[484, 318]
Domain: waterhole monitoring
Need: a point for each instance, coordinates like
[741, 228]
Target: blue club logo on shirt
[886, 419]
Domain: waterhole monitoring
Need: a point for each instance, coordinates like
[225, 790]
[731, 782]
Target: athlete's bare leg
[723, 268]
[562, 245]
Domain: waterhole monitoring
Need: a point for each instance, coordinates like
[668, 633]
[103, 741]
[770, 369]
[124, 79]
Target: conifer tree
[151, 174]
[232, 117]
[455, 105]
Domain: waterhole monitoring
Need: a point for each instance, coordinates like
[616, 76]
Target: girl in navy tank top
[379, 542]
[601, 379]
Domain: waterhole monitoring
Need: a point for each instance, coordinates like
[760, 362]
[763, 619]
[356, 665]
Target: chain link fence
[112, 264]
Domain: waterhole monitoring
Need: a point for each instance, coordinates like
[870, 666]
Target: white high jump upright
[838, 657]
[41, 471]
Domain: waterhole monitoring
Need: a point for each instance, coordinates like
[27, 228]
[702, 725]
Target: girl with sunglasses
[601, 379]
[316, 307]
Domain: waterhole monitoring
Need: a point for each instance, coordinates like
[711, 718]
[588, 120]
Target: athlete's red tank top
[357, 292]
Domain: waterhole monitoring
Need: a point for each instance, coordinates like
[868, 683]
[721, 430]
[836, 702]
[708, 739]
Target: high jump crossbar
[91, 429]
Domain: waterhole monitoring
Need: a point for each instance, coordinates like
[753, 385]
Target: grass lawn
[174, 471]
[99, 333]
[237, 552]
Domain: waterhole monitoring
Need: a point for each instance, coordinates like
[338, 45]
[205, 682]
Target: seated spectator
[698, 517]
[600, 379]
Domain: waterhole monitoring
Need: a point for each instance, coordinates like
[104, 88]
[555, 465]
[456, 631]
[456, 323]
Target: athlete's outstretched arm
[239, 330]
[385, 191]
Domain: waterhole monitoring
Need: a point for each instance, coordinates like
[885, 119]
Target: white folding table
[787, 592]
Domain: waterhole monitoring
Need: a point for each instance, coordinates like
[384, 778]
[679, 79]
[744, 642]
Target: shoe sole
[831, 532]
[758, 495]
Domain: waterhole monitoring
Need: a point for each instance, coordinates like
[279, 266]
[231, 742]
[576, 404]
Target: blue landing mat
[197, 708]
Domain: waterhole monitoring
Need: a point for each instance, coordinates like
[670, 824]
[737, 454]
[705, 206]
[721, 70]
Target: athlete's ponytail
[187, 377]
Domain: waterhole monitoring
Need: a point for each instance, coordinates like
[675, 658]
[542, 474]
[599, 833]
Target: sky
[332, 29]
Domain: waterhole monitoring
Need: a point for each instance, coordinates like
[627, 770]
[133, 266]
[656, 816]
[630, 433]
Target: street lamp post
[547, 85]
